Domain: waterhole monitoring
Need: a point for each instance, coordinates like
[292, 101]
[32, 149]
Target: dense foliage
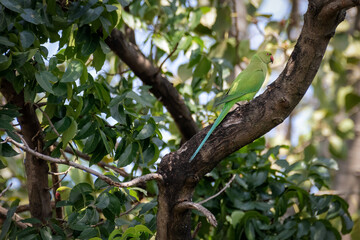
[102, 113]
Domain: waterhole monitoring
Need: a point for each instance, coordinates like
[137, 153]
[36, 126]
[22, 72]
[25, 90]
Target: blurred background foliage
[288, 185]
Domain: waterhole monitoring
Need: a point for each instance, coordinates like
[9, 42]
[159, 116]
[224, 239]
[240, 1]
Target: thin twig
[129, 210]
[101, 164]
[62, 178]
[227, 185]
[145, 178]
[191, 205]
[196, 230]
[60, 173]
[7, 188]
[172, 52]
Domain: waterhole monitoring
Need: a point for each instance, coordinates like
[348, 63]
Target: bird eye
[267, 54]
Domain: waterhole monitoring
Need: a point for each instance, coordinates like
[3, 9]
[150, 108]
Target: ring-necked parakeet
[244, 87]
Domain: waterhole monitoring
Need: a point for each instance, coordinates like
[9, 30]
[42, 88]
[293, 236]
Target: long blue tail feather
[222, 115]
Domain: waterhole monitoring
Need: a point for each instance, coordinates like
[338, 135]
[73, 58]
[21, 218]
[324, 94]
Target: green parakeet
[64, 192]
[244, 87]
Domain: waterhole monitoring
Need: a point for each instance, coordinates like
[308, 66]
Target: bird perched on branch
[244, 87]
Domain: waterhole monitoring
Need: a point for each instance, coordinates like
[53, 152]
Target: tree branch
[136, 181]
[163, 90]
[4, 191]
[191, 205]
[16, 218]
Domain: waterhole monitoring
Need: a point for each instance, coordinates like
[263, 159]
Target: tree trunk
[36, 169]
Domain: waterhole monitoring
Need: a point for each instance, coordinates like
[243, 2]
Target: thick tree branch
[16, 218]
[163, 90]
[136, 181]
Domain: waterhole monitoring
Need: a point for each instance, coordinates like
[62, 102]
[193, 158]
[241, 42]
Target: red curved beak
[271, 59]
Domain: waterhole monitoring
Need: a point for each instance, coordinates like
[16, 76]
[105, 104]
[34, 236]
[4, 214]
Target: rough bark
[248, 122]
[163, 90]
[36, 169]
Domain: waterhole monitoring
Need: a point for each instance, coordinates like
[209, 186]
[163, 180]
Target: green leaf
[118, 113]
[194, 18]
[110, 8]
[45, 233]
[27, 38]
[69, 133]
[303, 229]
[128, 19]
[19, 58]
[184, 43]
[73, 71]
[90, 45]
[202, 68]
[135, 232]
[138, 99]
[78, 190]
[99, 59]
[88, 233]
[6, 42]
[128, 156]
[53, 63]
[91, 143]
[45, 80]
[194, 57]
[5, 62]
[102, 92]
[2, 165]
[147, 131]
[7, 223]
[236, 216]
[31, 16]
[7, 151]
[91, 15]
[13, 6]
[102, 201]
[318, 231]
[105, 141]
[249, 231]
[87, 130]
[161, 43]
[351, 100]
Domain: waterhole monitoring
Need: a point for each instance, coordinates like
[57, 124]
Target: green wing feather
[244, 87]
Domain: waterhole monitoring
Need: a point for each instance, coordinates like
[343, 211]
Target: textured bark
[248, 122]
[36, 169]
[163, 90]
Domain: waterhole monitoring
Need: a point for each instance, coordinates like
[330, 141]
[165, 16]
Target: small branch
[7, 188]
[16, 218]
[145, 178]
[60, 173]
[129, 210]
[172, 52]
[227, 185]
[60, 180]
[191, 205]
[197, 228]
[101, 164]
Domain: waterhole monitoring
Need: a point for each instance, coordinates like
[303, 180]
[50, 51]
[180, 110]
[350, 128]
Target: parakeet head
[266, 57]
